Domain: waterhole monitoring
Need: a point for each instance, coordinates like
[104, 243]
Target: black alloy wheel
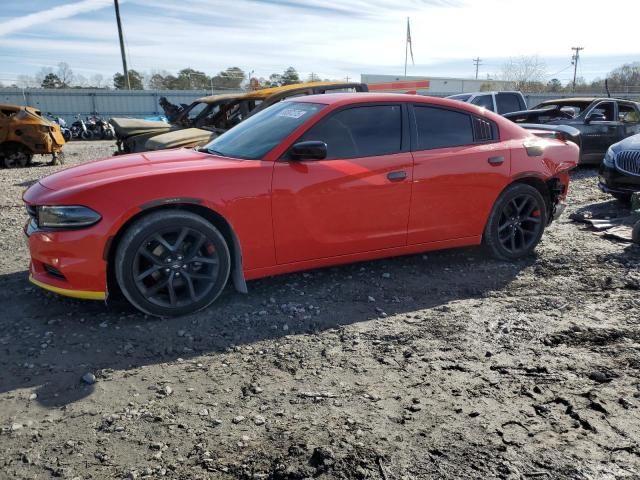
[516, 223]
[172, 263]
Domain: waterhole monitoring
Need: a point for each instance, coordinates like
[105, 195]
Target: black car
[620, 169]
[601, 121]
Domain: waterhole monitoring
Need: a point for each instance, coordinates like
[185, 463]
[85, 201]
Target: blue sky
[332, 38]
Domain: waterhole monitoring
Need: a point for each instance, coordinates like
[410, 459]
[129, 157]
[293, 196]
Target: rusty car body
[24, 132]
[207, 117]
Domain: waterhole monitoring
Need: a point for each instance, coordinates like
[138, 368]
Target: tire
[88, 135]
[521, 213]
[16, 156]
[172, 262]
[624, 198]
[635, 233]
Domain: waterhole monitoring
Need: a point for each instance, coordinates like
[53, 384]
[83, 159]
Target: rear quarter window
[440, 128]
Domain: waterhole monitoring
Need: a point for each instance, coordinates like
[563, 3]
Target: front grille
[629, 162]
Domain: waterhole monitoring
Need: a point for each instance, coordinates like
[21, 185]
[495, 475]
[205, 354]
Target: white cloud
[50, 15]
[332, 38]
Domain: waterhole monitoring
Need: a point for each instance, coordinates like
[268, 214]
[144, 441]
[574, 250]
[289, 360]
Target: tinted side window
[360, 132]
[484, 101]
[439, 128]
[508, 102]
[627, 113]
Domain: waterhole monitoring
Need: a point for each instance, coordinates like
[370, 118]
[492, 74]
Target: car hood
[131, 166]
[629, 143]
[189, 137]
[125, 127]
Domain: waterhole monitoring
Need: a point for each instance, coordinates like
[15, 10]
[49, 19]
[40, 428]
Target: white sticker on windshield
[292, 113]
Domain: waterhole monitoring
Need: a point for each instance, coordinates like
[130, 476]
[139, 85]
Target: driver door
[353, 201]
[598, 135]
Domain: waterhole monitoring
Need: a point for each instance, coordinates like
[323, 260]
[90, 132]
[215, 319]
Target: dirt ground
[445, 365]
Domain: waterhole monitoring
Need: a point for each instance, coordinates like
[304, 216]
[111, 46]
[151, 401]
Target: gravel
[451, 365]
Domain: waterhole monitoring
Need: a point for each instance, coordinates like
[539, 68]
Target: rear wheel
[172, 262]
[516, 223]
[622, 197]
[16, 156]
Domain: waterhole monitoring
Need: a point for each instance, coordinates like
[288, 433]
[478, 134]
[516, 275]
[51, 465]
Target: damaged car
[601, 121]
[208, 117]
[24, 132]
[309, 182]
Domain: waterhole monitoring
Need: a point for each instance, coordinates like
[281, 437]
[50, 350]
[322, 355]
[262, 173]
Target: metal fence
[67, 103]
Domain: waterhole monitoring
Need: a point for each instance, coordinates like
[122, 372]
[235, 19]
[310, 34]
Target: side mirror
[596, 117]
[310, 150]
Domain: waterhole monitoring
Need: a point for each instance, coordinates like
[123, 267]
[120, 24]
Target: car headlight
[609, 159]
[66, 216]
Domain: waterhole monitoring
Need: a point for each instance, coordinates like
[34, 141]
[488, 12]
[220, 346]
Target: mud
[445, 365]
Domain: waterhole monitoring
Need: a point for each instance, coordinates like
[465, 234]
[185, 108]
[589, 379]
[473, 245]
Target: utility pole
[124, 57]
[477, 61]
[574, 60]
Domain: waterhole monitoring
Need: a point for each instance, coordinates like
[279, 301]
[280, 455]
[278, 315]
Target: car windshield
[259, 134]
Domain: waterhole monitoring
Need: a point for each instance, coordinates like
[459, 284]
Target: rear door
[508, 102]
[629, 115]
[460, 168]
[357, 198]
[599, 135]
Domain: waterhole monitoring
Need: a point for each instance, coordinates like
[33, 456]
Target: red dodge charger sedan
[309, 182]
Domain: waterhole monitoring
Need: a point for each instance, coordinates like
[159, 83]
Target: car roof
[560, 101]
[263, 93]
[487, 92]
[365, 97]
[8, 106]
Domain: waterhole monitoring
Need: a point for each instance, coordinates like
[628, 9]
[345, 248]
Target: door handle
[499, 160]
[397, 176]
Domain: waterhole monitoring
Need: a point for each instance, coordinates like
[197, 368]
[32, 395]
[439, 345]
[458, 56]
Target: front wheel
[516, 223]
[172, 262]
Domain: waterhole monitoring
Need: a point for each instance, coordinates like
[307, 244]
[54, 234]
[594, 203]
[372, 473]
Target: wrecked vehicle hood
[189, 137]
[125, 127]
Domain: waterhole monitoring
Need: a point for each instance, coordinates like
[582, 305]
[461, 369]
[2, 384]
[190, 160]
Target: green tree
[157, 82]
[275, 80]
[135, 79]
[290, 76]
[232, 78]
[51, 80]
[554, 85]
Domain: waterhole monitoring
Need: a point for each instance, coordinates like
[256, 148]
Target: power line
[477, 62]
[574, 60]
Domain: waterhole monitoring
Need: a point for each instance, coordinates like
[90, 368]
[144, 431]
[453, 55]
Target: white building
[438, 86]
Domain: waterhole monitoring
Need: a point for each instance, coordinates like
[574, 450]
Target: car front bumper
[67, 262]
[612, 180]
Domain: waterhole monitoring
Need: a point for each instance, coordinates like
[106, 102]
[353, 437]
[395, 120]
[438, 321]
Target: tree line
[529, 74]
[232, 78]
